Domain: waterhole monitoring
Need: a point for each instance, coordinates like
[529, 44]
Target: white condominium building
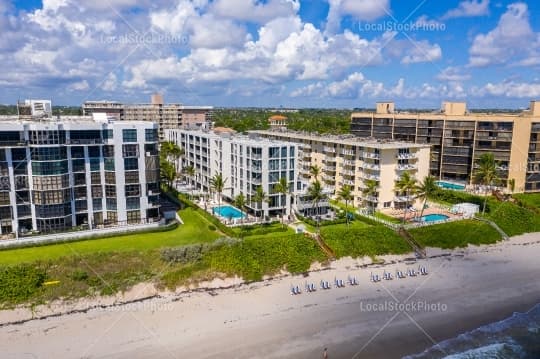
[350, 160]
[62, 172]
[245, 162]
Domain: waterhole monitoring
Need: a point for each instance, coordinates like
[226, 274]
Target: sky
[254, 53]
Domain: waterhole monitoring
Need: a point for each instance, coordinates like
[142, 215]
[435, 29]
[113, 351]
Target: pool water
[228, 212]
[433, 218]
[450, 185]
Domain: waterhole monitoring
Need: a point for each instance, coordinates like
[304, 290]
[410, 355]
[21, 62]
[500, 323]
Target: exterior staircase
[418, 249]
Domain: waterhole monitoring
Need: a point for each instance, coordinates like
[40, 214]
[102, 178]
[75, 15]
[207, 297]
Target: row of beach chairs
[399, 274]
[338, 283]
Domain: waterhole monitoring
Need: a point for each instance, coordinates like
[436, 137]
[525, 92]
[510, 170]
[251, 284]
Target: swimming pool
[450, 185]
[228, 212]
[433, 218]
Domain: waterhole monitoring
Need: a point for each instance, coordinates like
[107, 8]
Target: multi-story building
[349, 160]
[459, 138]
[167, 116]
[73, 171]
[245, 162]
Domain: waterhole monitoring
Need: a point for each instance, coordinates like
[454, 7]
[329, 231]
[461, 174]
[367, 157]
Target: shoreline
[478, 285]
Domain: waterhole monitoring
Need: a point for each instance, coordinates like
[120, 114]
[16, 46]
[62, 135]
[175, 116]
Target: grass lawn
[386, 217]
[194, 230]
[363, 240]
[513, 219]
[529, 199]
[455, 234]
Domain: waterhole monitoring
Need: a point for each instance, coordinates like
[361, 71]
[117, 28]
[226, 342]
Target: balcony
[372, 155]
[257, 169]
[256, 181]
[329, 168]
[407, 167]
[347, 182]
[347, 152]
[300, 205]
[256, 156]
[406, 156]
[349, 163]
[329, 149]
[370, 166]
[367, 176]
[371, 198]
[403, 198]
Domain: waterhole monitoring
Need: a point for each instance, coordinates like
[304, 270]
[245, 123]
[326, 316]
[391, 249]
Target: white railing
[371, 155]
[406, 167]
[405, 156]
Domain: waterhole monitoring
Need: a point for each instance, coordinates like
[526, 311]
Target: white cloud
[110, 83]
[513, 40]
[364, 10]
[254, 10]
[469, 8]
[510, 89]
[422, 51]
[79, 86]
[452, 74]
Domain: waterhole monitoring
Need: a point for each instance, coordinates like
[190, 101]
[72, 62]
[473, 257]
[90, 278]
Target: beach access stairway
[417, 247]
[324, 247]
[494, 225]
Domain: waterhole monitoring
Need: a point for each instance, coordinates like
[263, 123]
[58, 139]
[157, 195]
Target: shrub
[19, 283]
[212, 227]
[515, 220]
[455, 197]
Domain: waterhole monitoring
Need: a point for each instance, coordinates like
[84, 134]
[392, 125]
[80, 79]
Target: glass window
[131, 164]
[133, 190]
[130, 150]
[108, 133]
[77, 152]
[283, 151]
[108, 151]
[150, 135]
[97, 204]
[291, 152]
[129, 135]
[110, 191]
[133, 217]
[111, 203]
[109, 164]
[133, 203]
[132, 177]
[94, 164]
[94, 151]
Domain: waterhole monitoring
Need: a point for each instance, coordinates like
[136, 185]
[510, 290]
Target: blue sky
[312, 53]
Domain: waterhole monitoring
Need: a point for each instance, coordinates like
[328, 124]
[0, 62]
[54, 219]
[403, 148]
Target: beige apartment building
[458, 138]
[349, 160]
[167, 116]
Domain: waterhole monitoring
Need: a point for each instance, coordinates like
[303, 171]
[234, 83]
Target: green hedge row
[19, 283]
[455, 197]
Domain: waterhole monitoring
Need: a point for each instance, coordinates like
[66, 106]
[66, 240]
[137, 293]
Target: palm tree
[426, 189]
[370, 190]
[259, 197]
[190, 173]
[316, 194]
[407, 185]
[315, 171]
[240, 202]
[218, 183]
[282, 187]
[345, 193]
[167, 172]
[486, 173]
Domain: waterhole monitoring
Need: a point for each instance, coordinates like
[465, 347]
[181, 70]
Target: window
[283, 151]
[273, 165]
[109, 164]
[78, 165]
[273, 177]
[274, 152]
[129, 135]
[79, 179]
[150, 135]
[133, 217]
[131, 164]
[111, 204]
[110, 191]
[130, 150]
[133, 190]
[107, 133]
[49, 168]
[283, 164]
[79, 192]
[291, 152]
[85, 136]
[95, 178]
[132, 177]
[97, 204]
[112, 218]
[94, 151]
[110, 177]
[133, 203]
[77, 152]
[108, 151]
[50, 182]
[94, 164]
[48, 153]
[97, 191]
[47, 137]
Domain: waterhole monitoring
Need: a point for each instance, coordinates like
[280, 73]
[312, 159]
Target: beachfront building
[459, 138]
[57, 173]
[167, 116]
[245, 162]
[349, 160]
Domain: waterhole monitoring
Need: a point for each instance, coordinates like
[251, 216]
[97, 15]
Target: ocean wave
[515, 337]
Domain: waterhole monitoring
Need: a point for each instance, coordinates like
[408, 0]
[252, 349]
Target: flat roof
[348, 139]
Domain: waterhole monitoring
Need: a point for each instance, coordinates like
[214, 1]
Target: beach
[465, 288]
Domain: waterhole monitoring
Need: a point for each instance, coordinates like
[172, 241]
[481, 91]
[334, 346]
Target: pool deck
[432, 209]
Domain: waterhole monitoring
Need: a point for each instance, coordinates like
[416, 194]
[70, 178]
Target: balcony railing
[406, 167]
[403, 198]
[368, 176]
[371, 155]
[329, 149]
[406, 156]
[370, 166]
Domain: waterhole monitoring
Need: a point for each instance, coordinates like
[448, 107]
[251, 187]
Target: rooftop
[347, 139]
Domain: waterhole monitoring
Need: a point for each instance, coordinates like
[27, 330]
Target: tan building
[458, 138]
[167, 116]
[277, 122]
[349, 160]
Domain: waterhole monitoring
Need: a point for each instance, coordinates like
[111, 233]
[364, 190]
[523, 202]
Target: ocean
[516, 337]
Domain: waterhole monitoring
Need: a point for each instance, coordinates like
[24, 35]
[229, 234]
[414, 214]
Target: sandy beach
[465, 288]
